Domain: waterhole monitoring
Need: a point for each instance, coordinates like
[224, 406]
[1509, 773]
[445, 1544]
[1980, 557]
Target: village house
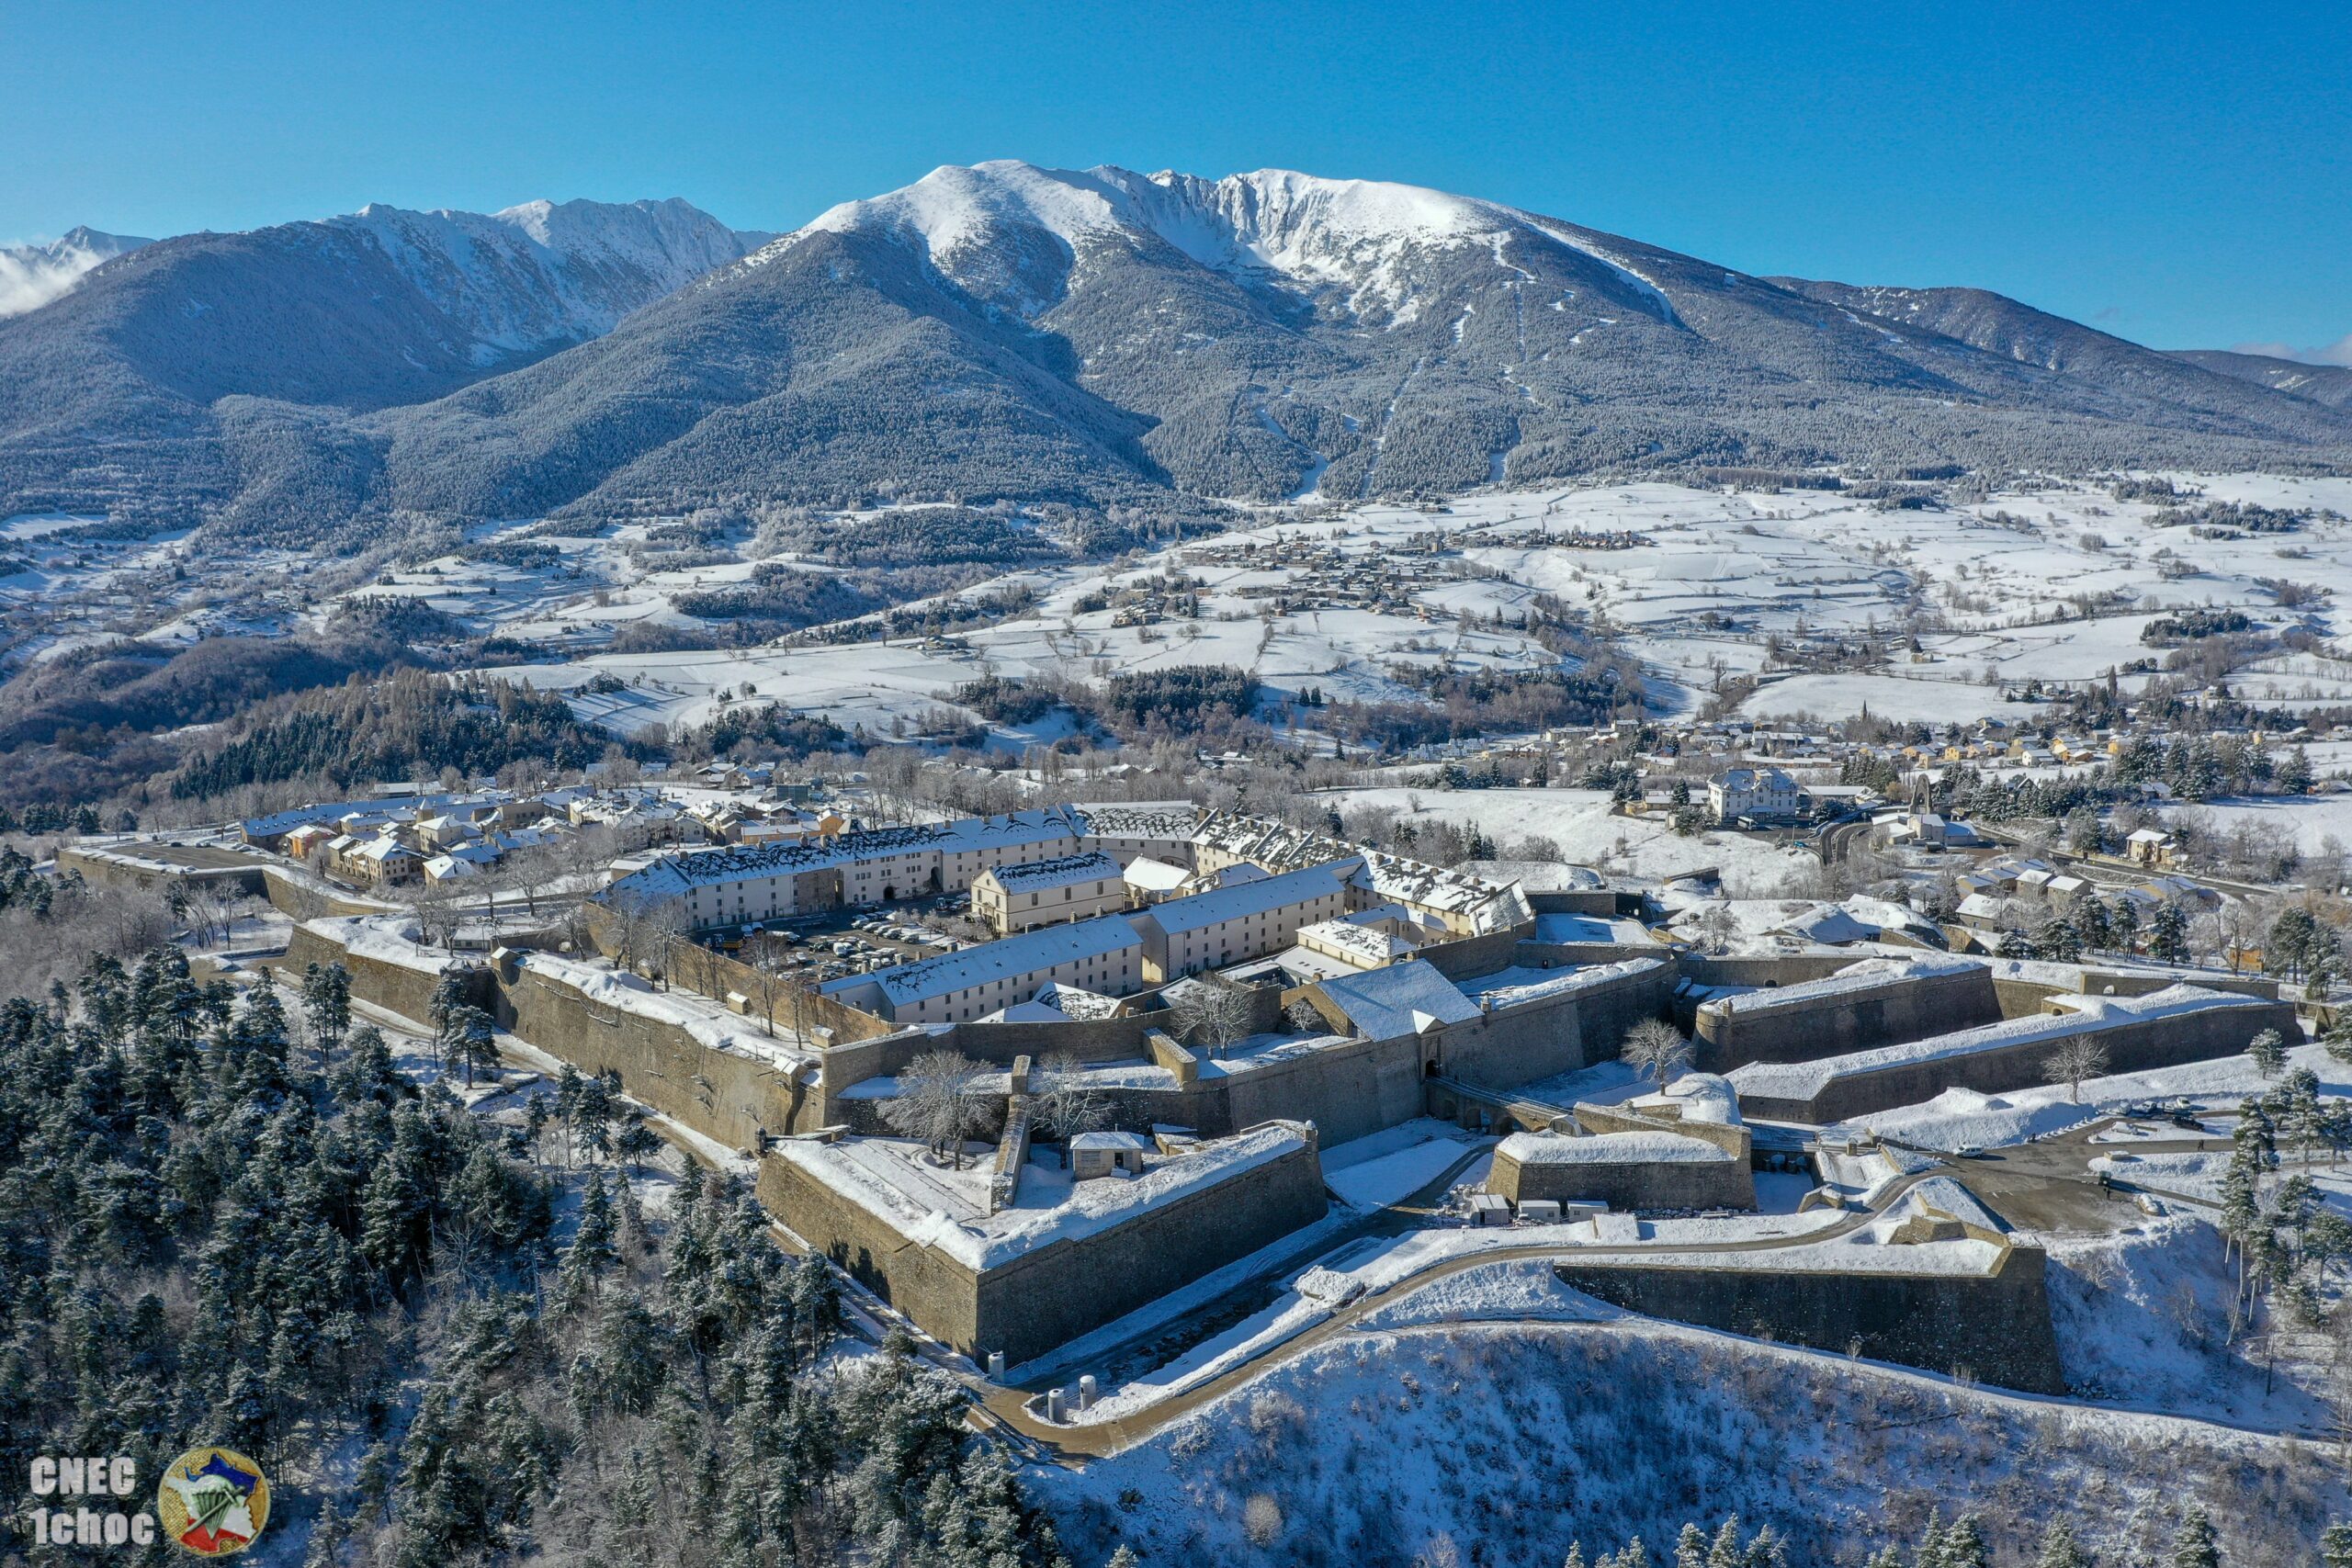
[1756, 793]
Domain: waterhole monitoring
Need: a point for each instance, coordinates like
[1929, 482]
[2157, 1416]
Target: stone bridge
[1491, 1111]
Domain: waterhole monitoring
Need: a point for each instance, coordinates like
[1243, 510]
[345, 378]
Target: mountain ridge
[33, 274]
[1104, 337]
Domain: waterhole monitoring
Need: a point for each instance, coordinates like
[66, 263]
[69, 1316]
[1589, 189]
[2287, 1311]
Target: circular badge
[212, 1502]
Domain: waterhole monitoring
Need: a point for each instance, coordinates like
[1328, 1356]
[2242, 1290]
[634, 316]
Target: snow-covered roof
[1401, 999]
[1645, 1147]
[1364, 943]
[1063, 871]
[1221, 903]
[1166, 819]
[1155, 875]
[988, 961]
[1116, 1141]
[674, 875]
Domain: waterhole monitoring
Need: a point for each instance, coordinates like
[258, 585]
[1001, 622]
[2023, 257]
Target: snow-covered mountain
[1086, 337]
[1356, 238]
[189, 369]
[544, 272]
[33, 274]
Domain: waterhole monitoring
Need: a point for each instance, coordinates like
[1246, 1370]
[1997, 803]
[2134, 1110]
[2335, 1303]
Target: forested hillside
[447, 1343]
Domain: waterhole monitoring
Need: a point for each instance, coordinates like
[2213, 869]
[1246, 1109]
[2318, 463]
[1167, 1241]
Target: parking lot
[849, 942]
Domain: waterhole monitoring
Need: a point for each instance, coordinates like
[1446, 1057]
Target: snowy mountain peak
[544, 272]
[33, 274]
[1359, 237]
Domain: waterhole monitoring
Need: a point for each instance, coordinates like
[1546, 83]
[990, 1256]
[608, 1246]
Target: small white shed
[1107, 1154]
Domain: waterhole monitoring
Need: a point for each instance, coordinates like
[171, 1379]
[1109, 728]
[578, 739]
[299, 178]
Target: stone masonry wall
[726, 1097]
[1062, 1290]
[1736, 1031]
[2131, 1048]
[1726, 1183]
[396, 988]
[1996, 1328]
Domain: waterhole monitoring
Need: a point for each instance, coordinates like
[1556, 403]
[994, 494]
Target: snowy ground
[1408, 1447]
[1960, 1117]
[2142, 1319]
[1580, 823]
[1389, 1165]
[2053, 583]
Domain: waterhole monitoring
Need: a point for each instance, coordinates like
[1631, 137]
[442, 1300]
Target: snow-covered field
[1580, 822]
[2052, 583]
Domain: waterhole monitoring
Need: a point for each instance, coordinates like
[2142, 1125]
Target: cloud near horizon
[2336, 353]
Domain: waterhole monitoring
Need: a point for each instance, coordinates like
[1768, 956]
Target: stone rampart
[731, 1098]
[1835, 1016]
[1718, 1180]
[2133, 1044]
[1068, 1287]
[1995, 1327]
[404, 988]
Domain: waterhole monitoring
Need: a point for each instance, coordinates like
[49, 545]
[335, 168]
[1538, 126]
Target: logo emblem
[213, 1502]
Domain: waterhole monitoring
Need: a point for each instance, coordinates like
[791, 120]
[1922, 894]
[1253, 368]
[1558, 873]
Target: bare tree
[438, 911]
[1655, 1049]
[2076, 1061]
[1062, 1104]
[940, 1102]
[770, 962]
[667, 929]
[1211, 1012]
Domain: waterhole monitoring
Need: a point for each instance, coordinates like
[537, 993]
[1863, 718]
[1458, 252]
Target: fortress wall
[1508, 1046]
[723, 1096]
[1066, 1288]
[1348, 1090]
[1735, 1031]
[396, 988]
[1629, 1184]
[1996, 1328]
[929, 1286]
[2131, 1048]
[1476, 955]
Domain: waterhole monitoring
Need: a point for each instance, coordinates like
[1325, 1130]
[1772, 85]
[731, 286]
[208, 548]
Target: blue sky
[2180, 175]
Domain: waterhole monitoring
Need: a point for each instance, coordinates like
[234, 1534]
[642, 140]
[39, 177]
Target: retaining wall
[1513, 1046]
[396, 988]
[1993, 1327]
[2134, 1046]
[729, 1098]
[1725, 1182]
[1774, 1027]
[1066, 1288]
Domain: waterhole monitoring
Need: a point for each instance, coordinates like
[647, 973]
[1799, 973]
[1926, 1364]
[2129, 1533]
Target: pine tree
[1690, 1548]
[2269, 1052]
[326, 1004]
[2059, 1550]
[2335, 1546]
[2193, 1545]
[590, 1254]
[2168, 935]
[1964, 1545]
